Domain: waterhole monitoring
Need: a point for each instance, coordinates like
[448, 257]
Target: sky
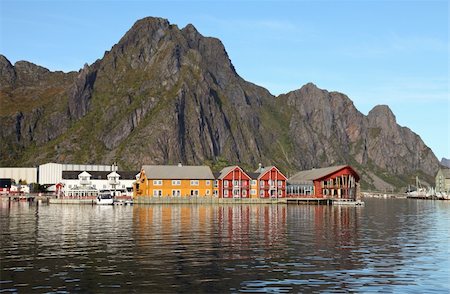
[376, 52]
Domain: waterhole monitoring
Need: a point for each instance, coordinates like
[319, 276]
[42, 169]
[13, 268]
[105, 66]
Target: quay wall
[205, 200]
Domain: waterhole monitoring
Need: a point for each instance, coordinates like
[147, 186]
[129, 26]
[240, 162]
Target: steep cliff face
[164, 95]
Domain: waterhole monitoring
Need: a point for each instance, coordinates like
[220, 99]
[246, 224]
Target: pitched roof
[253, 176]
[268, 168]
[314, 174]
[226, 170]
[84, 174]
[165, 172]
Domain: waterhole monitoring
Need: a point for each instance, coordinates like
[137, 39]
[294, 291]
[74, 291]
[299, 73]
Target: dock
[324, 201]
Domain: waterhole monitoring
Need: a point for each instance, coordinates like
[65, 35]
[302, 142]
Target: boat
[105, 198]
[348, 202]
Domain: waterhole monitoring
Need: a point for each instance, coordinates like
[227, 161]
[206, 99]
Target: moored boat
[105, 198]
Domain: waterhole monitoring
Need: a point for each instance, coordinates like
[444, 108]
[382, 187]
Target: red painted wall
[274, 175]
[345, 171]
[236, 174]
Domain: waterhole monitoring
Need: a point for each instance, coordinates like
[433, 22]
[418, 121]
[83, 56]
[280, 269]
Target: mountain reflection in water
[386, 246]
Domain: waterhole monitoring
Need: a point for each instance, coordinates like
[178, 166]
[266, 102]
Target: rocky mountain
[445, 162]
[167, 95]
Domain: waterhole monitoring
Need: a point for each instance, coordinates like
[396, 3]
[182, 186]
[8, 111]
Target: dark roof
[216, 175]
[253, 176]
[100, 175]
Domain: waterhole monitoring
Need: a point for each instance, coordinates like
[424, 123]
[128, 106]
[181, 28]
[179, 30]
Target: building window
[215, 192]
[261, 193]
[236, 192]
[104, 186]
[176, 183]
[208, 182]
[280, 193]
[176, 193]
[194, 192]
[157, 193]
[194, 182]
[208, 192]
[244, 193]
[157, 182]
[253, 192]
[216, 183]
[280, 183]
[123, 186]
[225, 183]
[261, 183]
[225, 193]
[253, 182]
[236, 183]
[70, 186]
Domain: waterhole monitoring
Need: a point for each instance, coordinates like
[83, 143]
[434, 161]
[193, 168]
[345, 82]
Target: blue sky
[376, 52]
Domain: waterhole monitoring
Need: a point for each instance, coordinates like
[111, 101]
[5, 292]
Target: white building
[51, 173]
[28, 174]
[77, 183]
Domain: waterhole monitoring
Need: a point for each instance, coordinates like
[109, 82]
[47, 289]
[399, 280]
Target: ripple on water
[387, 246]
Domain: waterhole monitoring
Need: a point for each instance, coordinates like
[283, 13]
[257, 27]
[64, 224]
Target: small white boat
[105, 198]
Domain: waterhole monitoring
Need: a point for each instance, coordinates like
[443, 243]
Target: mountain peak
[382, 113]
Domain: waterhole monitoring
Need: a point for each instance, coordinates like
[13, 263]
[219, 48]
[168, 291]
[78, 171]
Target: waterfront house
[174, 181]
[79, 184]
[443, 181]
[268, 182]
[330, 182]
[232, 182]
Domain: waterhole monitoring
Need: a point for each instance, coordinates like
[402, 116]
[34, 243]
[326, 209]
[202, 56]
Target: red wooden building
[233, 182]
[270, 182]
[330, 182]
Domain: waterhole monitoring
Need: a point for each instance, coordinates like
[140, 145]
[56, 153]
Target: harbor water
[389, 245]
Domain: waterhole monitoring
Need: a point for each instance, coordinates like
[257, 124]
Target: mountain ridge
[164, 95]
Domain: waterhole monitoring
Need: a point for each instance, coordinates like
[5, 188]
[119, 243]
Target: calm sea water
[387, 246]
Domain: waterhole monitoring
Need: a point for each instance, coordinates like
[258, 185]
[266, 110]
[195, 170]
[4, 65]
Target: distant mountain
[167, 95]
[445, 162]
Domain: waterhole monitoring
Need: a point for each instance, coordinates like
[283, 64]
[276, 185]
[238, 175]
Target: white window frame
[253, 192]
[157, 182]
[176, 191]
[225, 183]
[176, 182]
[208, 182]
[225, 193]
[244, 193]
[254, 182]
[194, 192]
[208, 192]
[236, 193]
[236, 183]
[216, 183]
[194, 183]
[157, 193]
[280, 183]
[261, 193]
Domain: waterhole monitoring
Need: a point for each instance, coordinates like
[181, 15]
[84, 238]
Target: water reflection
[387, 246]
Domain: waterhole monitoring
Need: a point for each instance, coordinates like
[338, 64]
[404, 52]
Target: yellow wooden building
[174, 181]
